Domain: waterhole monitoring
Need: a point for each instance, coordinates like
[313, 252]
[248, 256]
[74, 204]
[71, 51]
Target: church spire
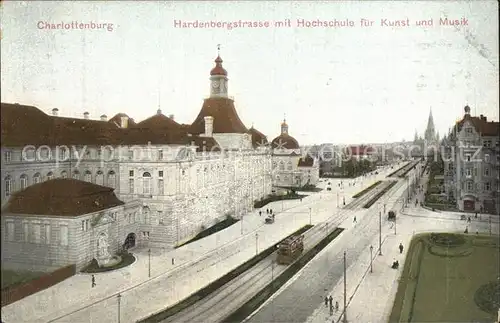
[430, 132]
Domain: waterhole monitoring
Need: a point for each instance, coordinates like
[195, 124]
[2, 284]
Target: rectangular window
[161, 187]
[131, 173]
[468, 130]
[486, 171]
[47, 233]
[64, 235]
[146, 189]
[487, 158]
[83, 225]
[10, 231]
[26, 232]
[37, 233]
[160, 154]
[470, 186]
[87, 225]
[467, 157]
[468, 171]
[487, 186]
[8, 156]
[131, 186]
[487, 143]
[160, 173]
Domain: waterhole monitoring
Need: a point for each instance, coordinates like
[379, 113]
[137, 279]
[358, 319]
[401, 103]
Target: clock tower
[218, 80]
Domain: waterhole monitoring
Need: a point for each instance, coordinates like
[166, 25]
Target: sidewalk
[370, 295]
[76, 292]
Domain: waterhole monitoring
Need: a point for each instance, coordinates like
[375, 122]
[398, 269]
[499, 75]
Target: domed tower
[284, 140]
[218, 79]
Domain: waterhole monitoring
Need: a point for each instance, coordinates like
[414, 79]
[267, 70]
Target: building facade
[186, 177]
[471, 164]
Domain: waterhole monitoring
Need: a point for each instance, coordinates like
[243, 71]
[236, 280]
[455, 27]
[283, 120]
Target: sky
[345, 85]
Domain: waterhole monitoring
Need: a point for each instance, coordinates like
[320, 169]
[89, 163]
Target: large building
[471, 164]
[185, 177]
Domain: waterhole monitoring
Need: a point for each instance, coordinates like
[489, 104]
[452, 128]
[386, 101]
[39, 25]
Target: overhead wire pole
[345, 288]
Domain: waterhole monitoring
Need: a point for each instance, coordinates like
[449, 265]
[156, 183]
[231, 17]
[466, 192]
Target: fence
[17, 292]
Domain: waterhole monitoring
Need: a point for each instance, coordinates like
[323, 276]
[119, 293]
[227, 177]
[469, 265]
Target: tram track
[222, 302]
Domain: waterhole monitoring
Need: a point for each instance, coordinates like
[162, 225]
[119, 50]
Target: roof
[285, 141]
[226, 119]
[360, 150]
[159, 121]
[23, 125]
[307, 161]
[218, 69]
[117, 119]
[482, 126]
[62, 197]
[258, 138]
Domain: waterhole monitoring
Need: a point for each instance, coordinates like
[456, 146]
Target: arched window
[23, 181]
[64, 174]
[99, 178]
[111, 179]
[37, 178]
[50, 176]
[289, 166]
[87, 176]
[8, 185]
[146, 183]
[76, 175]
[282, 166]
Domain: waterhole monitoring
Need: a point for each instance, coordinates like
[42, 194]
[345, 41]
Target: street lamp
[256, 243]
[338, 204]
[371, 259]
[310, 217]
[345, 288]
[149, 263]
[490, 223]
[119, 305]
[380, 233]
[241, 224]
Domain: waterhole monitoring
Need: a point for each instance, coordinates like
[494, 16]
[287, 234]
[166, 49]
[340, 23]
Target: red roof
[226, 119]
[218, 69]
[481, 125]
[258, 138]
[307, 161]
[285, 141]
[63, 197]
[360, 150]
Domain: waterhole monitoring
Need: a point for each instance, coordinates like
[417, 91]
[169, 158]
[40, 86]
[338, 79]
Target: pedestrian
[469, 220]
[331, 309]
[330, 300]
[301, 199]
[326, 301]
[476, 215]
[355, 220]
[93, 281]
[267, 211]
[400, 248]
[260, 213]
[336, 306]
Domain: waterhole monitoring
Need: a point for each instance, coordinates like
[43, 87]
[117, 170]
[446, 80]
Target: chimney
[55, 112]
[171, 116]
[209, 126]
[124, 122]
[86, 115]
[104, 117]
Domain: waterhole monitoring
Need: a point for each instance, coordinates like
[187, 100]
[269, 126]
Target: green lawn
[446, 284]
[10, 277]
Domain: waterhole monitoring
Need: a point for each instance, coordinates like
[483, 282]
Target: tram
[290, 249]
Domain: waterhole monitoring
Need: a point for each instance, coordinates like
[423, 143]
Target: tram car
[290, 249]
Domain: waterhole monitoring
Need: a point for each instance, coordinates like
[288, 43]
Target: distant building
[429, 143]
[471, 164]
[291, 168]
